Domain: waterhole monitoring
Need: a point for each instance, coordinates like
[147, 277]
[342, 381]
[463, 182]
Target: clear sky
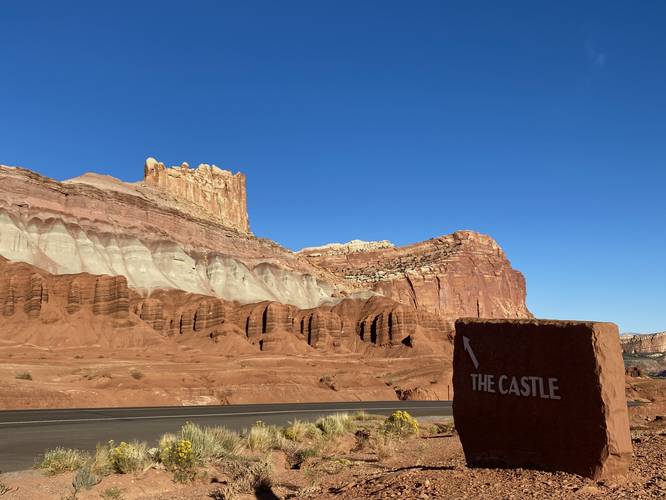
[542, 124]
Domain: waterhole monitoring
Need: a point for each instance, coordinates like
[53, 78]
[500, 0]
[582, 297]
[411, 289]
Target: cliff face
[461, 274]
[207, 191]
[186, 229]
[651, 343]
[84, 309]
[100, 225]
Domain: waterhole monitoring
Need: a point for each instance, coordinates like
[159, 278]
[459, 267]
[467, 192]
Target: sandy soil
[66, 378]
[426, 467]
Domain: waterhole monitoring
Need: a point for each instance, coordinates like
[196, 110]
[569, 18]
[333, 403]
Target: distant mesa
[644, 343]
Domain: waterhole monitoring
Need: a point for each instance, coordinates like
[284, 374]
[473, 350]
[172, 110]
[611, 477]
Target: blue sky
[542, 124]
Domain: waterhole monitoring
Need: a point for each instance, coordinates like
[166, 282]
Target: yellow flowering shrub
[401, 423]
[181, 453]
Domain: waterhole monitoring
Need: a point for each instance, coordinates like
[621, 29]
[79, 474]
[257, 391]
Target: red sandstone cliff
[208, 191]
[100, 225]
[461, 274]
[69, 310]
[187, 229]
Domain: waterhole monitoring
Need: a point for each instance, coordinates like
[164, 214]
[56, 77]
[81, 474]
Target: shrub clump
[335, 425]
[179, 454]
[61, 460]
[130, 457]
[246, 477]
[164, 447]
[299, 431]
[24, 376]
[210, 443]
[179, 457]
[262, 437]
[401, 423]
[86, 478]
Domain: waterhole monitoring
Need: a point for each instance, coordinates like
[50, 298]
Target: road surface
[25, 434]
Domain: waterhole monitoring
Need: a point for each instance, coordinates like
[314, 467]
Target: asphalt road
[25, 434]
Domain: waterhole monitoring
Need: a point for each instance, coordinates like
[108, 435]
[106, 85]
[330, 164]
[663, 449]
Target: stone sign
[541, 394]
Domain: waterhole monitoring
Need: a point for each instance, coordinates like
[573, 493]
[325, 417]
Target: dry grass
[61, 460]
[246, 477]
[130, 457]
[335, 425]
[210, 443]
[262, 438]
[307, 446]
[299, 431]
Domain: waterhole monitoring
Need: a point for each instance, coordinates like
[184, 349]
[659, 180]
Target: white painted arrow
[468, 348]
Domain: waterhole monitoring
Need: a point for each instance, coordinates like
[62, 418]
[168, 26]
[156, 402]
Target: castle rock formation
[207, 191]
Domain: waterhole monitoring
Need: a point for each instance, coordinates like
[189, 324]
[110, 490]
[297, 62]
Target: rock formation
[99, 225]
[173, 255]
[352, 246]
[461, 274]
[187, 229]
[644, 343]
[34, 301]
[215, 194]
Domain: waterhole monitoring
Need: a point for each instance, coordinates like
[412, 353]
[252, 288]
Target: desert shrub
[299, 431]
[401, 423]
[164, 447]
[181, 454]
[136, 374]
[112, 493]
[304, 453]
[335, 425]
[24, 376]
[297, 454]
[210, 443]
[130, 457]
[85, 478]
[61, 460]
[203, 446]
[383, 444]
[227, 442]
[247, 477]
[100, 463]
[262, 437]
[443, 427]
[180, 459]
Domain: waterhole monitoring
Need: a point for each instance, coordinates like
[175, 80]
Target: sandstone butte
[97, 261]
